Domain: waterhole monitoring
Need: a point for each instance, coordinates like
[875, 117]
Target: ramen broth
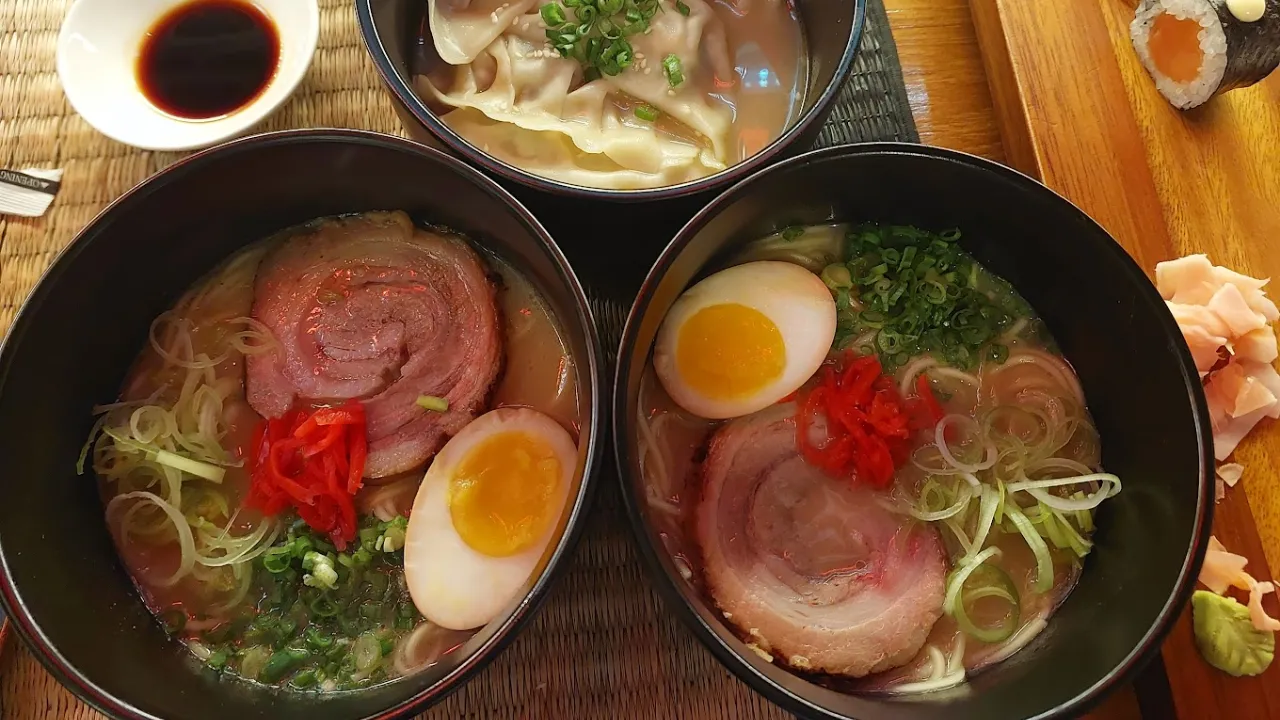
[206, 328]
[672, 452]
[766, 42]
[539, 369]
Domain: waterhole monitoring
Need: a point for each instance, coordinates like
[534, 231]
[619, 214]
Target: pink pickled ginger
[1223, 570]
[1225, 319]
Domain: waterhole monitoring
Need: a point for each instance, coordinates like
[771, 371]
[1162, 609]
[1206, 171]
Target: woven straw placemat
[603, 646]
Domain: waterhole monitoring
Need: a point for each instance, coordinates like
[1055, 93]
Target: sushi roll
[1195, 49]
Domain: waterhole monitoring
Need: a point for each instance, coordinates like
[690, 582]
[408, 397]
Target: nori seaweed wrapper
[1253, 48]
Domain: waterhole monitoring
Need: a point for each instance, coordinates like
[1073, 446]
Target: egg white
[453, 585]
[794, 299]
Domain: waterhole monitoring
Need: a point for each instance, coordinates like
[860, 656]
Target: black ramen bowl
[1141, 385]
[832, 28]
[67, 594]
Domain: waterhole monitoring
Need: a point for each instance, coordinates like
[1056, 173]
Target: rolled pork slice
[809, 568]
[371, 307]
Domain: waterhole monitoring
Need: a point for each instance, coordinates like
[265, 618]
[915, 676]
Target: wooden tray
[1077, 110]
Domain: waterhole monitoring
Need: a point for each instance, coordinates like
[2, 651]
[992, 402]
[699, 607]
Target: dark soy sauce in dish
[208, 58]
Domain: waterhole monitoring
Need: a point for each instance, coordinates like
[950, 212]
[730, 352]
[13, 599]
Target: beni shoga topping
[917, 505]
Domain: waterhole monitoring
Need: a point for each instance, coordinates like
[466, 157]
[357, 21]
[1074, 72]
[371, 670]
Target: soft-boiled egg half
[484, 515]
[744, 338]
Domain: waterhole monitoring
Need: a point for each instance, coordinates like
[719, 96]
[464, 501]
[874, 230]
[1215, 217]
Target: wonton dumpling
[535, 100]
[529, 90]
[553, 155]
[462, 29]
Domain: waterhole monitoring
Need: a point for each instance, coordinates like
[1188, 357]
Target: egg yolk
[501, 495]
[729, 351]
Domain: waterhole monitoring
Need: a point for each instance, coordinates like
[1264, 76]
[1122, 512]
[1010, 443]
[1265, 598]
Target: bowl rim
[592, 427]
[409, 100]
[652, 553]
[239, 122]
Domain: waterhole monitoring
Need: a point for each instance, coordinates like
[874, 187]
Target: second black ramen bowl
[1141, 387]
[393, 31]
[67, 593]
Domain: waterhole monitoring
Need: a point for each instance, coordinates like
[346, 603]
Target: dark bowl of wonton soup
[256, 383]
[633, 100]
[889, 463]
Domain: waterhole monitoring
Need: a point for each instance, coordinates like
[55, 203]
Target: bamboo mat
[603, 646]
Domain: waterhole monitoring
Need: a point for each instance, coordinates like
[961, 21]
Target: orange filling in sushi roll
[1174, 45]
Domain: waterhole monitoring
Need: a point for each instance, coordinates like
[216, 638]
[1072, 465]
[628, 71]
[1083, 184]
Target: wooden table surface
[951, 102]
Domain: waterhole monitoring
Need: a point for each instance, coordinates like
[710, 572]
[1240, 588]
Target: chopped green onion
[277, 560]
[366, 651]
[377, 583]
[317, 641]
[324, 606]
[987, 581]
[304, 679]
[789, 233]
[552, 15]
[1066, 537]
[989, 504]
[1109, 485]
[387, 645]
[433, 403]
[393, 538]
[217, 660]
[646, 113]
[280, 664]
[1044, 562]
[596, 34]
[674, 71]
[174, 620]
[682, 8]
[320, 571]
[961, 574]
[837, 277]
[938, 502]
[205, 470]
[253, 661]
[928, 293]
[209, 472]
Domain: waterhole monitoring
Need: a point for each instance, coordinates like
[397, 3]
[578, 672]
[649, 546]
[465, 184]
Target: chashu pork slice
[810, 568]
[372, 308]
